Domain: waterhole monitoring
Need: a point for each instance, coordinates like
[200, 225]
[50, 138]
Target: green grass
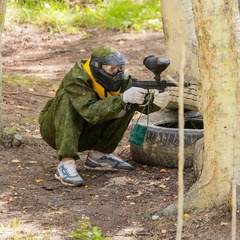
[30, 82]
[13, 231]
[59, 16]
[86, 231]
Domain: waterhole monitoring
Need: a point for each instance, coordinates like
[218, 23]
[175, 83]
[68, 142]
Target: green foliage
[60, 15]
[135, 15]
[86, 232]
[53, 15]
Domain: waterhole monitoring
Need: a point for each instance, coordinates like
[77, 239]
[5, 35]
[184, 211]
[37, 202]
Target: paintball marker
[157, 66]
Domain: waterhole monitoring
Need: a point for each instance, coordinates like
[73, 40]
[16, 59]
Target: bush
[71, 16]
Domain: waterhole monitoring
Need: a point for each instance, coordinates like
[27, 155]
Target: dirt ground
[119, 203]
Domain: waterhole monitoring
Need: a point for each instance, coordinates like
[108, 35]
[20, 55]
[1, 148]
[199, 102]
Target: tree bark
[179, 29]
[218, 34]
[3, 6]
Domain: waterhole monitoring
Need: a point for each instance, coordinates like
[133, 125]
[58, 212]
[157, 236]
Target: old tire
[160, 147]
[190, 97]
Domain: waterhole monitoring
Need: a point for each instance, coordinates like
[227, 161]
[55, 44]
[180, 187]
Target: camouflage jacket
[79, 89]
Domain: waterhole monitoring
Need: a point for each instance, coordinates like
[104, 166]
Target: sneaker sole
[68, 184]
[93, 165]
[103, 169]
[110, 169]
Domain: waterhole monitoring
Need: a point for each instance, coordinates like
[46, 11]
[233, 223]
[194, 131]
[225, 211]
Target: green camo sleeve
[78, 86]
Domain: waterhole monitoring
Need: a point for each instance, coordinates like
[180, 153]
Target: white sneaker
[67, 174]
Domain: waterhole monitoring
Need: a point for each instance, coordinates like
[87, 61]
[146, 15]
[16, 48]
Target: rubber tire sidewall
[161, 145]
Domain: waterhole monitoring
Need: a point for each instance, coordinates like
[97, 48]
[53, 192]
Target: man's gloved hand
[161, 99]
[134, 95]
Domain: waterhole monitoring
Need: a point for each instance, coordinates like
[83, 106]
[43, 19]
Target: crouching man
[89, 112]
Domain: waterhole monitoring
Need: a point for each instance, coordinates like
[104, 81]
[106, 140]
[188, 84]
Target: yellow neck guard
[101, 92]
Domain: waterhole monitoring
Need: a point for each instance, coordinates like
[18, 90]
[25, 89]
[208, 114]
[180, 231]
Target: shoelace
[70, 169]
[114, 157]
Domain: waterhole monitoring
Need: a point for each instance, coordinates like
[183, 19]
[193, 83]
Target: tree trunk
[218, 34]
[179, 29]
[3, 5]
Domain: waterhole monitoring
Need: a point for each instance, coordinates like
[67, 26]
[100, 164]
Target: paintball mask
[106, 55]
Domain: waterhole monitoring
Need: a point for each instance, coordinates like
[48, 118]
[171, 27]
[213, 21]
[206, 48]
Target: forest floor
[33, 205]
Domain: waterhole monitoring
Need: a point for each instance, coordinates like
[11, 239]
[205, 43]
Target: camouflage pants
[67, 132]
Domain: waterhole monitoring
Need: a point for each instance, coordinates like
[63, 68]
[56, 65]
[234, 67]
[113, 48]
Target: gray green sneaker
[67, 174]
[107, 162]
